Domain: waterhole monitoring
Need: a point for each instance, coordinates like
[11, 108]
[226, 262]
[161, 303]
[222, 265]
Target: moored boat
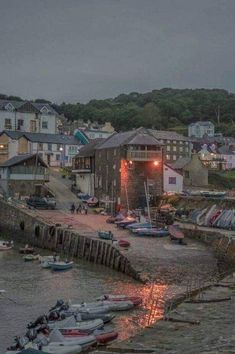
[72, 323]
[57, 339]
[152, 232]
[6, 245]
[124, 243]
[106, 235]
[102, 336]
[137, 300]
[138, 225]
[61, 265]
[125, 222]
[30, 257]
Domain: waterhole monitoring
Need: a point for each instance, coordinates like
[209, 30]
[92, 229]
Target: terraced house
[175, 145]
[28, 116]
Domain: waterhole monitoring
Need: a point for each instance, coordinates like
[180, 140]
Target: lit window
[168, 148]
[168, 157]
[174, 148]
[172, 180]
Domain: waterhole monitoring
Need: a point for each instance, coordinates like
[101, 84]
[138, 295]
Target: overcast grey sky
[76, 50]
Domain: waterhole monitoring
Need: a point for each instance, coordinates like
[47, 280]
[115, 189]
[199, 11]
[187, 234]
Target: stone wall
[26, 227]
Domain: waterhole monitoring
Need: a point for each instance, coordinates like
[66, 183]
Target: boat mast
[147, 201]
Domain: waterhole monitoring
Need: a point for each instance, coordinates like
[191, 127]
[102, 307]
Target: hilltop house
[22, 174]
[124, 163]
[55, 149]
[201, 129]
[28, 116]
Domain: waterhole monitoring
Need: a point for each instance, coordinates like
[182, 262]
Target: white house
[28, 116]
[172, 180]
[55, 149]
[201, 129]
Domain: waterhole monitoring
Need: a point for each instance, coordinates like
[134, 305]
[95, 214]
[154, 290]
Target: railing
[39, 170]
[139, 155]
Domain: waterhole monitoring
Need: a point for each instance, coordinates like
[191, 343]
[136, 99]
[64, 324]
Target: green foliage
[167, 108]
[222, 180]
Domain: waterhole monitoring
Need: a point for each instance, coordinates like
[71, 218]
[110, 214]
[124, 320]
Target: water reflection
[35, 290]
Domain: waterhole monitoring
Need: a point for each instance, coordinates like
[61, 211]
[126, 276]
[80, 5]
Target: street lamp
[61, 156]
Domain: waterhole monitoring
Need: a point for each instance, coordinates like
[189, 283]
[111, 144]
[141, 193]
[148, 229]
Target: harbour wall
[26, 227]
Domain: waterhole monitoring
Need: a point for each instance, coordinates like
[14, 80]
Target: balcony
[29, 173]
[144, 155]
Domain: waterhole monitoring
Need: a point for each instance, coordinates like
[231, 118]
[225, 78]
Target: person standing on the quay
[72, 209]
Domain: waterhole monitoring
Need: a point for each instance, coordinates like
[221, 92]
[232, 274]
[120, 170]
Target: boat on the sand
[56, 338]
[72, 323]
[6, 245]
[137, 300]
[151, 232]
[175, 232]
[124, 243]
[105, 235]
[30, 257]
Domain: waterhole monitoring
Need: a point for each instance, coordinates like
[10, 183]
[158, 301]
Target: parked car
[41, 202]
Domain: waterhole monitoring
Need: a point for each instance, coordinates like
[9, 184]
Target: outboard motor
[54, 315]
[21, 342]
[59, 303]
[44, 329]
[31, 334]
[40, 320]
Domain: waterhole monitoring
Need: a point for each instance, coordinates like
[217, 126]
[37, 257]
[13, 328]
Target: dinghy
[30, 257]
[72, 323]
[57, 339]
[139, 225]
[6, 245]
[175, 232]
[124, 243]
[151, 232]
[102, 336]
[61, 265]
[137, 300]
[105, 235]
[110, 305]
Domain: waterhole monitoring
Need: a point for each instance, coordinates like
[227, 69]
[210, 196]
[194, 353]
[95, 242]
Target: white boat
[6, 245]
[57, 339]
[107, 305]
[70, 322]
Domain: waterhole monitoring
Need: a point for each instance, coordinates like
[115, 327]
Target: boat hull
[60, 265]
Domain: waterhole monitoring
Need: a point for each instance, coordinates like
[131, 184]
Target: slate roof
[18, 104]
[52, 138]
[130, 137]
[16, 160]
[89, 149]
[180, 163]
[15, 135]
[43, 137]
[167, 135]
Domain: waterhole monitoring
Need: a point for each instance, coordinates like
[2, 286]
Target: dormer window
[45, 110]
[9, 107]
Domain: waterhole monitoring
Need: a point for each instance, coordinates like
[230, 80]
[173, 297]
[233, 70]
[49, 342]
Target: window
[49, 146]
[172, 180]
[174, 148]
[181, 142]
[114, 152]
[186, 142]
[33, 126]
[168, 157]
[168, 141]
[58, 147]
[20, 124]
[114, 182]
[57, 156]
[44, 125]
[174, 157]
[40, 146]
[181, 148]
[168, 148]
[8, 123]
[174, 141]
[186, 149]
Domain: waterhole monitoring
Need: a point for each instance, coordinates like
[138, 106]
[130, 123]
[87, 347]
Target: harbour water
[31, 291]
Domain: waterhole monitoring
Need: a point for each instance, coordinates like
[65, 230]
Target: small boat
[175, 232]
[137, 300]
[6, 245]
[61, 265]
[106, 318]
[30, 257]
[51, 349]
[152, 232]
[105, 235]
[107, 305]
[46, 264]
[72, 323]
[125, 222]
[102, 336]
[57, 339]
[92, 202]
[138, 225]
[124, 243]
[26, 250]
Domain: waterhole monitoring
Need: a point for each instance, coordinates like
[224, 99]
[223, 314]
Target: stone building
[195, 174]
[124, 163]
[26, 116]
[21, 174]
[176, 145]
